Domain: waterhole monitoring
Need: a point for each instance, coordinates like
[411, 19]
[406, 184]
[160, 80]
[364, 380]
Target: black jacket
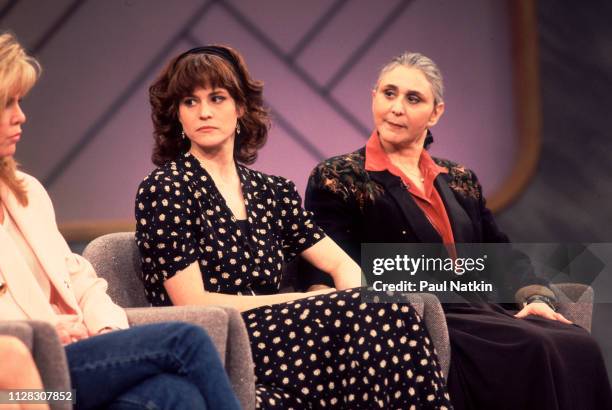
[355, 206]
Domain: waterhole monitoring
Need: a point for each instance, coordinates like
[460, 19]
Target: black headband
[221, 52]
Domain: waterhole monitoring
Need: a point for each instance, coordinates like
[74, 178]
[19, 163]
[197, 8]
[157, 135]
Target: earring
[237, 128]
[182, 134]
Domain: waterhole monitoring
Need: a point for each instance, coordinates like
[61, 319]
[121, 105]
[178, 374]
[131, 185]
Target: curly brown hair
[194, 69]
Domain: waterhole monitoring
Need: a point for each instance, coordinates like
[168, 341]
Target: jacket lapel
[24, 288]
[49, 256]
[413, 215]
[461, 224]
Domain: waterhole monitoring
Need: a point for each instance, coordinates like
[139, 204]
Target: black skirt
[501, 362]
[335, 352]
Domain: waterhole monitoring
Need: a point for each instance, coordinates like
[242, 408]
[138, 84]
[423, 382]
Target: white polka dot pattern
[328, 359]
[182, 218]
[329, 351]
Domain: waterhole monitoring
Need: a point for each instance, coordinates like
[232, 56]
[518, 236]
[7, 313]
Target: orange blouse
[429, 201]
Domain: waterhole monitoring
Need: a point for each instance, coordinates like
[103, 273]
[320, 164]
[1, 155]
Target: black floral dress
[327, 351]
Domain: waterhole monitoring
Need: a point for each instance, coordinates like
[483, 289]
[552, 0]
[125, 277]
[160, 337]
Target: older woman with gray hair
[393, 191]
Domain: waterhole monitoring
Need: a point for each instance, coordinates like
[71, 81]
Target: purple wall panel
[352, 26]
[284, 21]
[470, 42]
[100, 62]
[31, 19]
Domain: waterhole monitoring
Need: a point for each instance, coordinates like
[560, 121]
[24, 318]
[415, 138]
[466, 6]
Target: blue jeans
[159, 366]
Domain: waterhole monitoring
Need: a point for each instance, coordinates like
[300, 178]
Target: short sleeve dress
[328, 351]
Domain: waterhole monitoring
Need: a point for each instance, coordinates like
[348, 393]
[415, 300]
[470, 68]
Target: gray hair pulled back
[427, 67]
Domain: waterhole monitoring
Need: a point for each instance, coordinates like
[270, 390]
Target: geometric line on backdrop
[7, 8]
[298, 137]
[324, 92]
[122, 99]
[316, 28]
[56, 26]
[363, 48]
[299, 72]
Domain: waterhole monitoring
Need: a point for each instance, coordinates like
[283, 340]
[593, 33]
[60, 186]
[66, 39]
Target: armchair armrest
[239, 360]
[213, 319]
[575, 302]
[435, 321]
[227, 330]
[429, 308]
[47, 352]
[19, 329]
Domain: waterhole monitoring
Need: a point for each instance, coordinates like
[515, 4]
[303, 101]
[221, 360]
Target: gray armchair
[224, 326]
[116, 258]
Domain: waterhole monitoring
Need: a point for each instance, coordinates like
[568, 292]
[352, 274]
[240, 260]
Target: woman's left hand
[70, 332]
[541, 309]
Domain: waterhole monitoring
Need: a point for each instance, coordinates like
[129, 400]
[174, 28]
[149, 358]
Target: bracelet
[540, 299]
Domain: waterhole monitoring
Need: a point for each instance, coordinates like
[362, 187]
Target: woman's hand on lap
[70, 332]
[541, 309]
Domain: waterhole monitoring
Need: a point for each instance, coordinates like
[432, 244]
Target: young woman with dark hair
[213, 231]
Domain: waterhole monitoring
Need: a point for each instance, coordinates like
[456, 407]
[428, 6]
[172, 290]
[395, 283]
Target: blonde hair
[18, 73]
